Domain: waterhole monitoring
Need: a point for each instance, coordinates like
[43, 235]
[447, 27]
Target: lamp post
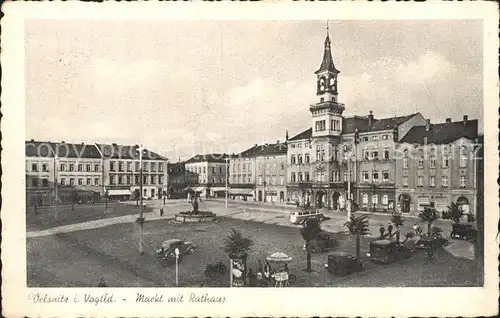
[349, 188]
[140, 219]
[227, 177]
[56, 212]
[176, 267]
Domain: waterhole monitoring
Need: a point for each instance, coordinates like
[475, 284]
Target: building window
[299, 159]
[89, 181]
[375, 176]
[45, 183]
[96, 168]
[137, 167]
[112, 166]
[432, 162]
[320, 125]
[300, 176]
[96, 181]
[365, 176]
[335, 125]
[385, 176]
[34, 167]
[63, 167]
[444, 181]
[386, 154]
[88, 167]
[385, 137]
[137, 180]
[420, 163]
[462, 181]
[160, 179]
[432, 181]
[405, 181]
[374, 199]
[34, 182]
[292, 159]
[249, 167]
[144, 179]
[146, 166]
[153, 179]
[345, 176]
[221, 169]
[292, 178]
[335, 176]
[375, 155]
[385, 199]
[129, 166]
[120, 180]
[80, 182]
[366, 154]
[420, 181]
[80, 168]
[364, 139]
[446, 162]
[71, 182]
[375, 138]
[405, 163]
[320, 177]
[160, 166]
[463, 161]
[306, 176]
[365, 198]
[153, 166]
[63, 181]
[45, 167]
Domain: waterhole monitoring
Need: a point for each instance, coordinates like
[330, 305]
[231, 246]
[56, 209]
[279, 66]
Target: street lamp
[176, 267]
[227, 177]
[56, 212]
[349, 188]
[140, 219]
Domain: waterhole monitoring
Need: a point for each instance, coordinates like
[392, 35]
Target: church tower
[326, 128]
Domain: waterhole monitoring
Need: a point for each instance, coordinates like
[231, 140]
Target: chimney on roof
[427, 124]
[32, 140]
[448, 120]
[465, 120]
[62, 141]
[370, 119]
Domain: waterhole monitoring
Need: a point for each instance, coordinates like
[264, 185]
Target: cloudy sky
[185, 87]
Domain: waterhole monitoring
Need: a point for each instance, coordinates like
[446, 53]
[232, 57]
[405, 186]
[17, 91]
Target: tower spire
[327, 62]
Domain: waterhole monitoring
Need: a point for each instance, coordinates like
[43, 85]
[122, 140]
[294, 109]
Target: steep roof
[303, 135]
[115, 151]
[212, 157]
[349, 124]
[442, 133]
[251, 152]
[327, 62]
[62, 149]
[273, 149]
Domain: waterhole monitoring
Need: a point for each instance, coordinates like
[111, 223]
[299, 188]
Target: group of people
[389, 234]
[263, 276]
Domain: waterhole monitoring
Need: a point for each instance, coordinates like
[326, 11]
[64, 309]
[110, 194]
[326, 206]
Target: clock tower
[326, 128]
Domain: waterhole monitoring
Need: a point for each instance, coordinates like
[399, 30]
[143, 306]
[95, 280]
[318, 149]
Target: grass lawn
[45, 217]
[82, 258]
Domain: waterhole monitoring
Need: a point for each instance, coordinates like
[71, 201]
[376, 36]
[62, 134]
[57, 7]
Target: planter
[202, 216]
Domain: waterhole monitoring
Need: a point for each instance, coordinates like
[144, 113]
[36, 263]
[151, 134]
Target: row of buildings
[401, 163]
[89, 173]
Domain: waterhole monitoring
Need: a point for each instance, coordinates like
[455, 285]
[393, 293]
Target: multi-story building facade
[344, 153]
[270, 173]
[206, 174]
[242, 168]
[122, 167]
[437, 165]
[65, 171]
[177, 179]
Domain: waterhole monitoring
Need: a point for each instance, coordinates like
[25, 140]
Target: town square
[320, 172]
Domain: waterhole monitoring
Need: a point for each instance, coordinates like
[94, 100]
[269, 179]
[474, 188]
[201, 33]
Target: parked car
[386, 251]
[426, 240]
[463, 231]
[322, 242]
[341, 264]
[166, 252]
[299, 217]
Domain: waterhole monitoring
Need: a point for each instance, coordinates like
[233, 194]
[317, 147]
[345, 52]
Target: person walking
[161, 212]
[389, 230]
[102, 283]
[382, 231]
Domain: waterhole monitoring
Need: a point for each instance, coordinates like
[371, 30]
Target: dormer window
[322, 99]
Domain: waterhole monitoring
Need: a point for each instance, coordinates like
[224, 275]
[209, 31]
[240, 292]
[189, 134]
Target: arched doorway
[282, 196]
[260, 196]
[463, 203]
[320, 199]
[405, 202]
[335, 200]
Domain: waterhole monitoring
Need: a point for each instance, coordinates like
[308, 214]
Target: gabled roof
[442, 133]
[212, 157]
[327, 62]
[251, 152]
[306, 134]
[115, 151]
[349, 124]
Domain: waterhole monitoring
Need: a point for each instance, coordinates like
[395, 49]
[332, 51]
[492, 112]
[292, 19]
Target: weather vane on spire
[327, 26]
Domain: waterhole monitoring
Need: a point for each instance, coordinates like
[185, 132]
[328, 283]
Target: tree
[429, 215]
[137, 196]
[358, 225]
[455, 212]
[397, 220]
[236, 245]
[309, 232]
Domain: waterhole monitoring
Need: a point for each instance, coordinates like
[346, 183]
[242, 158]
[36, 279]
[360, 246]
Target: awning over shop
[241, 191]
[119, 192]
[217, 189]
